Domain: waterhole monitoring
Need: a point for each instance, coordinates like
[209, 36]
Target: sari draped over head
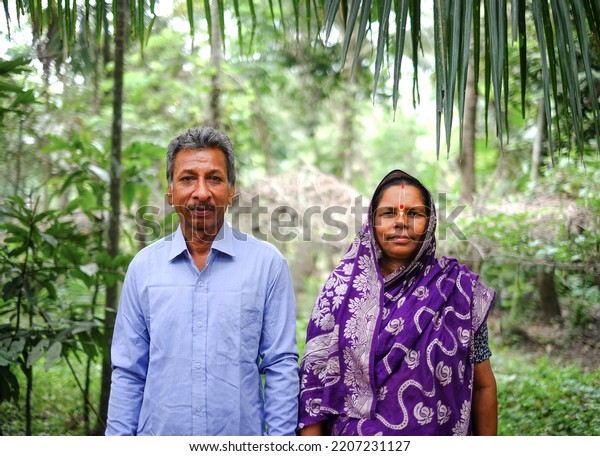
[393, 355]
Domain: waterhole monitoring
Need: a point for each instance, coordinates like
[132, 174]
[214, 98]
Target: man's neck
[199, 244]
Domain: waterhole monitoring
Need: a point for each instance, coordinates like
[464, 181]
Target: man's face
[200, 191]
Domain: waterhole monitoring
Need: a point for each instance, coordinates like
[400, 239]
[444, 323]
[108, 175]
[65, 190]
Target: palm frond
[567, 34]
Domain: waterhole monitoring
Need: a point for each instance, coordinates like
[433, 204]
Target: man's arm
[485, 400]
[279, 354]
[129, 358]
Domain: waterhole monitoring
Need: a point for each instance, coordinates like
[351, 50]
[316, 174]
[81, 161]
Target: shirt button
[200, 283]
[198, 409]
[199, 324]
[197, 365]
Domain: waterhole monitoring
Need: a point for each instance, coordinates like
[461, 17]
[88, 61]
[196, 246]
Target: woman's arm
[485, 400]
[313, 429]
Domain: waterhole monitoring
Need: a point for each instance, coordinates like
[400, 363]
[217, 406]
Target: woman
[397, 341]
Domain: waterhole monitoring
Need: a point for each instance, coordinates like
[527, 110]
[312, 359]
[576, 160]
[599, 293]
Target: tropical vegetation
[319, 109]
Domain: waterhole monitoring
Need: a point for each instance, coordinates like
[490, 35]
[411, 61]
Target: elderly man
[204, 313]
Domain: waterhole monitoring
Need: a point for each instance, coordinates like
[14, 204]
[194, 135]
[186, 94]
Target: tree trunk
[264, 136]
[112, 290]
[348, 134]
[467, 153]
[215, 63]
[18, 156]
[549, 304]
[107, 40]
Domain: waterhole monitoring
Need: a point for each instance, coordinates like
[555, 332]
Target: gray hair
[201, 138]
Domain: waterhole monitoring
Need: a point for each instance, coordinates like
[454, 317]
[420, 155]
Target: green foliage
[56, 403]
[553, 225]
[15, 99]
[546, 397]
[40, 251]
[286, 102]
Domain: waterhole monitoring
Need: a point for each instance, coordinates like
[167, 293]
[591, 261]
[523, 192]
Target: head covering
[393, 355]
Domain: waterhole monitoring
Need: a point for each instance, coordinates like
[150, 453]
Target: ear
[231, 194]
[170, 195]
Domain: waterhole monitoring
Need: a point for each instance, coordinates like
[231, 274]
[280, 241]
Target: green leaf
[9, 385]
[49, 239]
[401, 18]
[190, 10]
[129, 190]
[383, 31]
[53, 353]
[9, 87]
[37, 352]
[351, 20]
[17, 346]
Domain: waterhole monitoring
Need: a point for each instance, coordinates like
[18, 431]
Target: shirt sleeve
[481, 346]
[279, 354]
[129, 358]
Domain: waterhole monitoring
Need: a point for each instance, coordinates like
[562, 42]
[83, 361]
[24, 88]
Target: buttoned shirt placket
[199, 348]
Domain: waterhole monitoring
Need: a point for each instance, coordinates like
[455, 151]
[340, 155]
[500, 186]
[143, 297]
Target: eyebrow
[211, 171]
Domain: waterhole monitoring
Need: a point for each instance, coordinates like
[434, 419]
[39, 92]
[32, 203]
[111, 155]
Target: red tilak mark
[402, 183]
[402, 206]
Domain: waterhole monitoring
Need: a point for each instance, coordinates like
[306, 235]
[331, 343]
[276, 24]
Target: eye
[387, 212]
[415, 213]
[187, 178]
[215, 178]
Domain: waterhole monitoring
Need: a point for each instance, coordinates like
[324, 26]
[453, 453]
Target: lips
[202, 211]
[398, 238]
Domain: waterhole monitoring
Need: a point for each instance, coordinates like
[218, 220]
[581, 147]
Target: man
[203, 314]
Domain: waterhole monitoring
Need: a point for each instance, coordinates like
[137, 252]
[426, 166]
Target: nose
[401, 219]
[201, 191]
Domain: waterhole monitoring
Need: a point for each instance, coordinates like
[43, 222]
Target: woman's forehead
[401, 195]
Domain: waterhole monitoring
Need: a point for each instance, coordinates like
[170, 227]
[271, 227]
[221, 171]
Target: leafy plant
[545, 397]
[40, 251]
[14, 97]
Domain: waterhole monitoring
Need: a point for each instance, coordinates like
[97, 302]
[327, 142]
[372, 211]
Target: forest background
[313, 137]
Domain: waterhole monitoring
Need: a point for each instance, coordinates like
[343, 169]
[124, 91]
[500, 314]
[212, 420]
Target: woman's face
[400, 224]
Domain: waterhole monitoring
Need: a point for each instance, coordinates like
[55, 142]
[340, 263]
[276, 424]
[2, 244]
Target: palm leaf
[463, 37]
[579, 12]
[567, 33]
[440, 68]
[566, 49]
[384, 14]
[547, 76]
[362, 32]
[401, 10]
[415, 32]
[520, 35]
[349, 28]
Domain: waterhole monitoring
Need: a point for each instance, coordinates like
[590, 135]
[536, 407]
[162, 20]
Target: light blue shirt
[190, 346]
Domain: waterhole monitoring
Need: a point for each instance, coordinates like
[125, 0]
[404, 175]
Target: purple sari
[393, 355]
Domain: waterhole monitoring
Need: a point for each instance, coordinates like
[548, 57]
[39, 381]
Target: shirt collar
[223, 242]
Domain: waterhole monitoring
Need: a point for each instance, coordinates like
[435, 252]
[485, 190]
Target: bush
[540, 397]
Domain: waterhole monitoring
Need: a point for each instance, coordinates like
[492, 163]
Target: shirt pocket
[239, 327]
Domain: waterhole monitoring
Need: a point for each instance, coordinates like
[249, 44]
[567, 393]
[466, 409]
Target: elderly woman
[397, 343]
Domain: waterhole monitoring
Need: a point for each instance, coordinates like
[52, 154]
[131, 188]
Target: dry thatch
[305, 204]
